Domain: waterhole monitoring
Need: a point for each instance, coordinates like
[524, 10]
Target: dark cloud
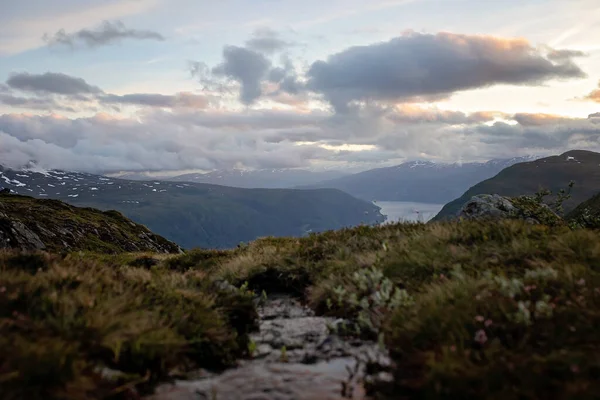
[185, 100]
[564, 54]
[426, 66]
[267, 41]
[33, 103]
[527, 119]
[247, 67]
[107, 33]
[51, 82]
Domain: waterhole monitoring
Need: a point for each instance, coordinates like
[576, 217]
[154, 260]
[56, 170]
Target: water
[408, 211]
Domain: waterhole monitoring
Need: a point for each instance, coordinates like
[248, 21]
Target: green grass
[468, 309]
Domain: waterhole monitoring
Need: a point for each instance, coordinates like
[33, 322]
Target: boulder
[486, 206]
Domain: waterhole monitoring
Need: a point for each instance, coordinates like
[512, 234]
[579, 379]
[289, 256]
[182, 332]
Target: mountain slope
[418, 181]
[194, 214]
[27, 223]
[587, 214]
[263, 178]
[552, 173]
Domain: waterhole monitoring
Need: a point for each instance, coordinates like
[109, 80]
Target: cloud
[594, 95]
[179, 100]
[60, 92]
[51, 82]
[33, 103]
[107, 33]
[418, 66]
[182, 139]
[247, 67]
[267, 41]
[564, 54]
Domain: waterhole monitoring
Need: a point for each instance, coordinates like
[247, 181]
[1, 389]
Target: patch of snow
[93, 188]
[12, 181]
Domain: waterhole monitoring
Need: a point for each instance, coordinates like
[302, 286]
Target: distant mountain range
[417, 181]
[262, 178]
[554, 173]
[194, 214]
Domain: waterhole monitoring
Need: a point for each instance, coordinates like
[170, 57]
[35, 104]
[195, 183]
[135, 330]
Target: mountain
[418, 181]
[262, 178]
[27, 223]
[554, 173]
[194, 214]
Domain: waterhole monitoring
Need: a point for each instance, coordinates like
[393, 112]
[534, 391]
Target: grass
[65, 322]
[468, 309]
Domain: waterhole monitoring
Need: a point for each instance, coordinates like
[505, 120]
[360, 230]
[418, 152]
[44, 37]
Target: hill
[194, 214]
[36, 224]
[553, 173]
[418, 181]
[469, 310]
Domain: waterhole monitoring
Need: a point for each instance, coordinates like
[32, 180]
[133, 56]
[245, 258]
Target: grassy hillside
[554, 173]
[467, 309]
[54, 226]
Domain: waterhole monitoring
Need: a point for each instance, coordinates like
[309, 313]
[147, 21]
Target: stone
[526, 208]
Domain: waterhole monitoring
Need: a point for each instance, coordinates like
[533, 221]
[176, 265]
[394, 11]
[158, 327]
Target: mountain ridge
[418, 181]
[553, 173]
[194, 214]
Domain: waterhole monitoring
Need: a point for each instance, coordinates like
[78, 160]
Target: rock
[14, 234]
[295, 357]
[486, 206]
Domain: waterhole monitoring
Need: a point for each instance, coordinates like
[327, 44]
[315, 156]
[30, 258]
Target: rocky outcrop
[486, 206]
[33, 224]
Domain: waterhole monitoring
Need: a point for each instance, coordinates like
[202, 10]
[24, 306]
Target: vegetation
[468, 309]
[552, 174]
[587, 214]
[78, 327]
[28, 223]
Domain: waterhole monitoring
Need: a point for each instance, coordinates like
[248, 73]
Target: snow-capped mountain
[196, 214]
[419, 181]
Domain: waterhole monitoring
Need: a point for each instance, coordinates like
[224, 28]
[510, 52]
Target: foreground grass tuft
[79, 328]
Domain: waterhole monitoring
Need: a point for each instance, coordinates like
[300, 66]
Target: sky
[190, 85]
